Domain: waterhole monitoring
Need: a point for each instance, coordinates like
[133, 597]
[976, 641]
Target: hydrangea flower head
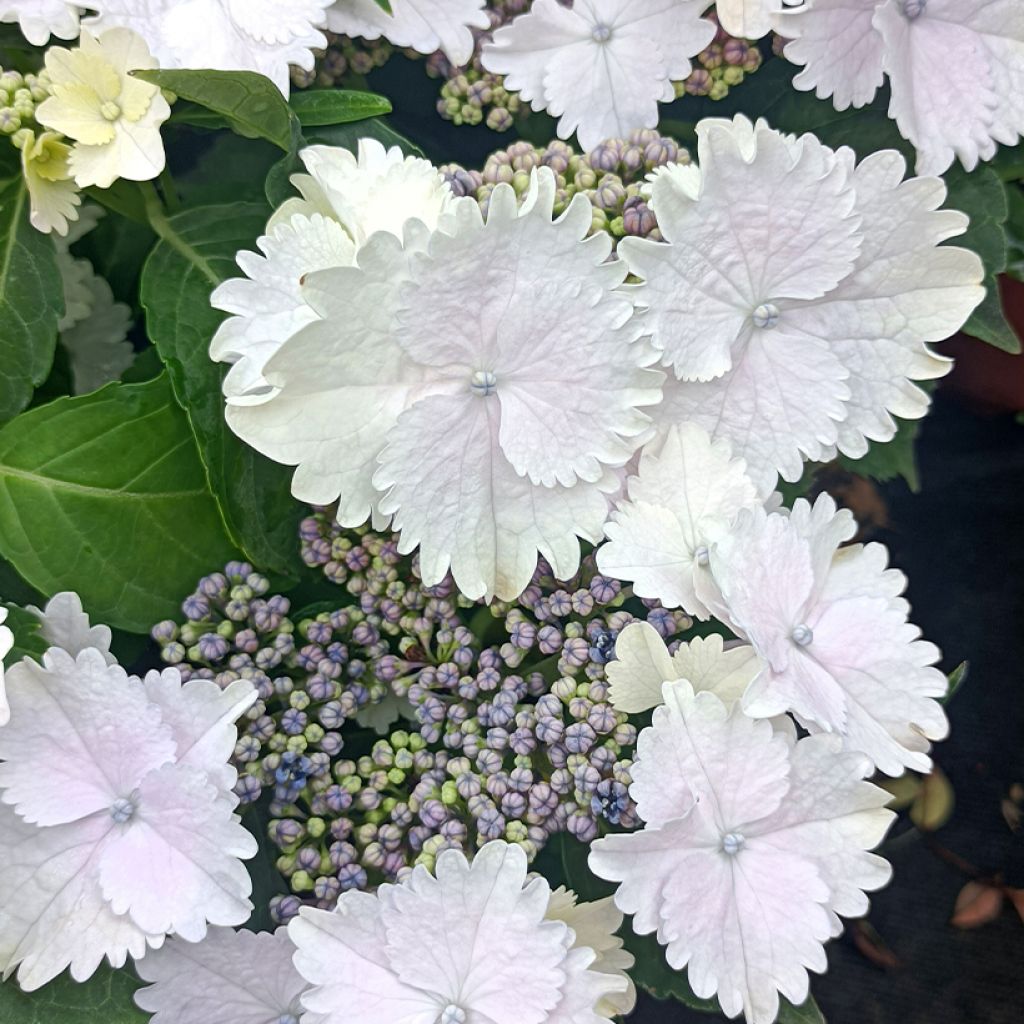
[382, 959]
[832, 630]
[754, 845]
[52, 192]
[113, 117]
[239, 976]
[798, 293]
[117, 814]
[265, 36]
[344, 200]
[643, 665]
[423, 25]
[569, 61]
[479, 392]
[685, 494]
[968, 52]
[39, 19]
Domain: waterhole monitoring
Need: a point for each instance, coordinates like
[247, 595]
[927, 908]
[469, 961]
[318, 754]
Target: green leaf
[197, 253]
[336, 106]
[117, 248]
[31, 301]
[106, 997]
[105, 494]
[957, 678]
[28, 642]
[250, 103]
[384, 5]
[891, 459]
[982, 196]
[806, 1013]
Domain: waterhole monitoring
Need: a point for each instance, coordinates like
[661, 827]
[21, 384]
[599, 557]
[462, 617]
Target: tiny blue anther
[703, 558]
[121, 810]
[802, 635]
[914, 8]
[601, 33]
[732, 843]
[452, 1014]
[766, 316]
[287, 1018]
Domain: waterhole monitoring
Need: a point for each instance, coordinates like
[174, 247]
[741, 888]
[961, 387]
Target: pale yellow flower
[52, 192]
[114, 118]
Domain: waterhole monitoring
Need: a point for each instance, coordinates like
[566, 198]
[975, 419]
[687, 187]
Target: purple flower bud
[550, 730]
[352, 876]
[549, 639]
[284, 908]
[582, 826]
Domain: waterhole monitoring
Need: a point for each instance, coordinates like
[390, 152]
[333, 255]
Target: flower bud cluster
[343, 58]
[19, 96]
[725, 63]
[610, 176]
[507, 731]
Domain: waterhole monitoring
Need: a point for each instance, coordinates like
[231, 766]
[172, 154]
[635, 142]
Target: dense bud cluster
[610, 176]
[505, 729]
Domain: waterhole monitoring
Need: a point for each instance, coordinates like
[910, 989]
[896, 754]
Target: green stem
[156, 212]
[169, 190]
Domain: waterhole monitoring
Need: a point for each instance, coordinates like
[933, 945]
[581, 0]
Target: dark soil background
[960, 542]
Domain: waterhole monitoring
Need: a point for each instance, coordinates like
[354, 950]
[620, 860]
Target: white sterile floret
[798, 293]
[955, 68]
[64, 624]
[685, 494]
[113, 117]
[748, 19]
[265, 36]
[118, 824]
[832, 629]
[6, 644]
[479, 392]
[231, 977]
[383, 959]
[97, 345]
[595, 924]
[642, 664]
[52, 192]
[754, 845]
[39, 19]
[344, 200]
[570, 61]
[423, 25]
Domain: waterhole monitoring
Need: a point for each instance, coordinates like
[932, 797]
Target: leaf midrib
[53, 483]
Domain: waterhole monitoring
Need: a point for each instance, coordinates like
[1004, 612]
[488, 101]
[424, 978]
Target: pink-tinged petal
[342, 954]
[475, 910]
[174, 864]
[455, 496]
[231, 977]
[82, 735]
[202, 718]
[698, 749]
[748, 19]
[840, 48]
[783, 402]
[684, 496]
[940, 50]
[52, 912]
[834, 816]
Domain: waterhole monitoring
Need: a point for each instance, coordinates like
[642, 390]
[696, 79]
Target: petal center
[110, 111]
[484, 383]
[766, 316]
[802, 635]
[601, 33]
[452, 1014]
[914, 8]
[733, 842]
[122, 810]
